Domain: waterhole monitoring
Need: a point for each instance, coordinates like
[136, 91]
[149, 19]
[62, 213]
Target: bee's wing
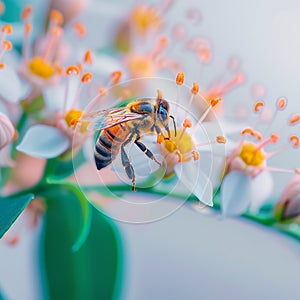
[103, 119]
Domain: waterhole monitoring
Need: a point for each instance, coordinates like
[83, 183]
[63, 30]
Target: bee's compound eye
[162, 112]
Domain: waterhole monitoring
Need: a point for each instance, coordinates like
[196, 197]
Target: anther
[195, 88]
[215, 101]
[221, 139]
[274, 138]
[6, 45]
[73, 70]
[295, 119]
[57, 17]
[87, 77]
[27, 29]
[297, 171]
[281, 103]
[196, 155]
[187, 123]
[103, 92]
[80, 29]
[248, 130]
[7, 29]
[26, 12]
[295, 141]
[258, 106]
[116, 76]
[88, 57]
[159, 95]
[160, 139]
[180, 78]
[2, 65]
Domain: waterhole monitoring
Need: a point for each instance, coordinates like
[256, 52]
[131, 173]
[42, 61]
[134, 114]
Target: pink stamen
[272, 139]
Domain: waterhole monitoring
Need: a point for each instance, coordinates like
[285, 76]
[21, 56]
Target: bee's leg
[127, 166]
[146, 151]
[159, 132]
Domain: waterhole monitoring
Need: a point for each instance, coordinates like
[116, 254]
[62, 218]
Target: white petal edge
[190, 174]
[236, 193]
[43, 141]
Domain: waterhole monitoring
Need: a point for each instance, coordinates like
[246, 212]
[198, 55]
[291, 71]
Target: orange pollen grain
[2, 8]
[195, 88]
[258, 106]
[7, 45]
[180, 78]
[274, 138]
[26, 12]
[248, 130]
[257, 135]
[7, 29]
[215, 101]
[159, 95]
[88, 57]
[73, 70]
[297, 171]
[295, 140]
[294, 119]
[57, 16]
[87, 77]
[281, 103]
[2, 65]
[196, 155]
[187, 123]
[160, 139]
[103, 92]
[27, 29]
[221, 139]
[116, 76]
[80, 29]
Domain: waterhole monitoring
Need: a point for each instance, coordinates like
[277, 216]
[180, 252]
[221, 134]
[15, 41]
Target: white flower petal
[11, 87]
[54, 97]
[190, 174]
[236, 193]
[43, 141]
[262, 186]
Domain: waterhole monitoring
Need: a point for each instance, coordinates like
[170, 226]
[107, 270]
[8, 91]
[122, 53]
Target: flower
[56, 137]
[288, 207]
[181, 150]
[247, 168]
[7, 135]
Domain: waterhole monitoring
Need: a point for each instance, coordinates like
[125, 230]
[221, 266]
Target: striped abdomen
[108, 144]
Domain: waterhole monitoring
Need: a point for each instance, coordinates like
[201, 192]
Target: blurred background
[189, 255]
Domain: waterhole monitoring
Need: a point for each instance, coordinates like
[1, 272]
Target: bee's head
[163, 110]
[163, 114]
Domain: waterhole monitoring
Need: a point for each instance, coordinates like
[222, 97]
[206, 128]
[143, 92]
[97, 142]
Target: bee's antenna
[174, 124]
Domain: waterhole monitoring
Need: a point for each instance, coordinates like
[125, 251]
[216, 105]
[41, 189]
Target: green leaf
[10, 209]
[86, 212]
[93, 272]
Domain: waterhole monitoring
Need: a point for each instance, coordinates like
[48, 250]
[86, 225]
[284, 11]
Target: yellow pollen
[72, 117]
[41, 68]
[251, 156]
[140, 65]
[181, 143]
[180, 78]
[144, 18]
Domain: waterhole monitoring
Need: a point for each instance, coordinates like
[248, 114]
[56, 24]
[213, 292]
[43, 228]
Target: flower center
[181, 143]
[72, 117]
[140, 65]
[251, 155]
[145, 18]
[41, 68]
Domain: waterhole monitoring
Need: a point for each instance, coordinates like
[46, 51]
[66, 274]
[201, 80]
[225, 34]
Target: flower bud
[288, 207]
[7, 131]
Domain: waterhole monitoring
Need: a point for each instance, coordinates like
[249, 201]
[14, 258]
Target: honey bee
[124, 125]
